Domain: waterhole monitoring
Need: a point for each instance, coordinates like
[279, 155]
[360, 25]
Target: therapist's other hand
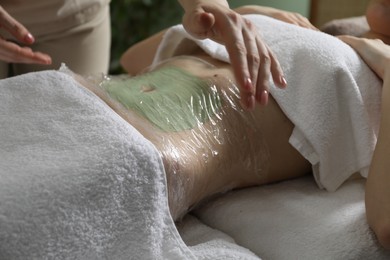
[252, 60]
[12, 52]
[374, 52]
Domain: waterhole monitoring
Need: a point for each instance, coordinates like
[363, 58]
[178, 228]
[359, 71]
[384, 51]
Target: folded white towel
[76, 180]
[332, 98]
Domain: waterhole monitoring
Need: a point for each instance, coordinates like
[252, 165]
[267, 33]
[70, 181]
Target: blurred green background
[134, 20]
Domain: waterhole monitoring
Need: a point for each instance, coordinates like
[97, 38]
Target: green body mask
[170, 98]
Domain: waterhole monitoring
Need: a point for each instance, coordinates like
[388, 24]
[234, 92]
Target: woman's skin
[378, 18]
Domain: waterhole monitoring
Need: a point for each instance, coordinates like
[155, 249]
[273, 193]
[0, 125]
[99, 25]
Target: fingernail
[29, 38]
[264, 98]
[283, 81]
[248, 84]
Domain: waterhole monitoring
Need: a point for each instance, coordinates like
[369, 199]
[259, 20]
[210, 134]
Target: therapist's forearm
[378, 182]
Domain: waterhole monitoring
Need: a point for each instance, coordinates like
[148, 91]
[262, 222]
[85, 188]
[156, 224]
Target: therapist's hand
[12, 52]
[253, 62]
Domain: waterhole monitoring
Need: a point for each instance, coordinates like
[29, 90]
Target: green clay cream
[170, 98]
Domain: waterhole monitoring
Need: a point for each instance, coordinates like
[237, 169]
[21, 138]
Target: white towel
[296, 220]
[211, 244]
[76, 180]
[332, 98]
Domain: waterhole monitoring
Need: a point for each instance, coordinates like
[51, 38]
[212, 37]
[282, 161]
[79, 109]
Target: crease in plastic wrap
[197, 124]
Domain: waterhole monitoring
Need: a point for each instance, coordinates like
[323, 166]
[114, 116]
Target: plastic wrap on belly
[196, 123]
[192, 116]
[169, 98]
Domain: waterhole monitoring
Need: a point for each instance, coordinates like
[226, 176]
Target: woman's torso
[249, 147]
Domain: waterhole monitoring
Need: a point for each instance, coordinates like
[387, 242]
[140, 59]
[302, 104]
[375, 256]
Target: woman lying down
[326, 121]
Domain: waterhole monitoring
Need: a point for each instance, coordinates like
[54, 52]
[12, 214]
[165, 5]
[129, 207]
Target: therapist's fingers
[258, 63]
[269, 69]
[262, 64]
[263, 81]
[252, 62]
[11, 52]
[11, 25]
[264, 74]
[237, 43]
[224, 26]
